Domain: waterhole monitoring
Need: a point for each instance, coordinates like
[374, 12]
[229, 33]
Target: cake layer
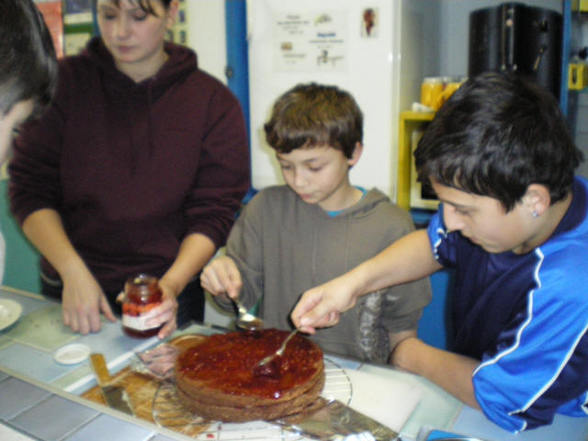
[217, 378]
[252, 412]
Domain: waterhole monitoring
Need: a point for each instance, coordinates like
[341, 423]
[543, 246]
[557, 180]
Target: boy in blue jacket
[514, 225]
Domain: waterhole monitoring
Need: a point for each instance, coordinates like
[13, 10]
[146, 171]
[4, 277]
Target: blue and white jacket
[525, 318]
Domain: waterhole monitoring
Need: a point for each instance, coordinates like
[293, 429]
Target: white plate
[10, 311]
[72, 354]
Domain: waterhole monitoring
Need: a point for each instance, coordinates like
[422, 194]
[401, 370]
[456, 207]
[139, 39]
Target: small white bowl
[72, 354]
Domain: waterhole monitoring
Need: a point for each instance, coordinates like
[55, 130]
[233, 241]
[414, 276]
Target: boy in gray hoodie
[292, 237]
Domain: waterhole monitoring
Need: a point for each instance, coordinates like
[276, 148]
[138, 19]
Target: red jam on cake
[218, 379]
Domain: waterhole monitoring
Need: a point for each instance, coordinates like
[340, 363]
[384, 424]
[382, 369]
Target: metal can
[142, 295]
[431, 90]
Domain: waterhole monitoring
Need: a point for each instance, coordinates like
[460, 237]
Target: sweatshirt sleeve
[244, 246]
[34, 169]
[223, 175]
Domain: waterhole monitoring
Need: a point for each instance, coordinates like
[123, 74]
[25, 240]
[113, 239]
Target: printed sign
[311, 42]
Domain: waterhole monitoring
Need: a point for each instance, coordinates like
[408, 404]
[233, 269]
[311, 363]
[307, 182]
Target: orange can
[431, 90]
[449, 89]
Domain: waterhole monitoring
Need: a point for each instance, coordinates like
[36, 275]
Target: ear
[172, 14]
[357, 151]
[537, 199]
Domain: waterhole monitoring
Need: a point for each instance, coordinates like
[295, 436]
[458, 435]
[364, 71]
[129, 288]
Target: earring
[535, 214]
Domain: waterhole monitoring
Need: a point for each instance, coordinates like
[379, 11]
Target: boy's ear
[357, 151]
[537, 199]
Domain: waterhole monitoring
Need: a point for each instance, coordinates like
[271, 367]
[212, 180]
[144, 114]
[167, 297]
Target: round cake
[217, 378]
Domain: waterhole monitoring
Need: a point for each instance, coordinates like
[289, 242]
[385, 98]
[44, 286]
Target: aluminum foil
[336, 421]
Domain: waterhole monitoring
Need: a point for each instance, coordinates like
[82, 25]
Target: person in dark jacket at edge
[28, 74]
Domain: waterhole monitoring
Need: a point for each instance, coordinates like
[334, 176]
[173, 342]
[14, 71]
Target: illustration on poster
[369, 23]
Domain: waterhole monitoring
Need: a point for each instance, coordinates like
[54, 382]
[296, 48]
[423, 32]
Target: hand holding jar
[148, 308]
[141, 296]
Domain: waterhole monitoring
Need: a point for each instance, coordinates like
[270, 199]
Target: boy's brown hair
[312, 114]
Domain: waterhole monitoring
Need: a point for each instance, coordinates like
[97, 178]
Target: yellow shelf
[409, 121]
[582, 5]
[577, 76]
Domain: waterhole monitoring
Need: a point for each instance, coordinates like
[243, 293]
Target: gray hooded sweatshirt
[284, 246]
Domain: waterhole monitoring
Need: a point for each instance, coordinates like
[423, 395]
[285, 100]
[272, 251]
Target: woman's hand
[196, 249]
[82, 297]
[165, 314]
[83, 301]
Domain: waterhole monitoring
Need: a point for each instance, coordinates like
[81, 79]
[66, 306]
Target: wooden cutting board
[154, 400]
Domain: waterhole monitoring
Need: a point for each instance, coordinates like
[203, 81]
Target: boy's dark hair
[497, 135]
[28, 68]
[145, 5]
[312, 114]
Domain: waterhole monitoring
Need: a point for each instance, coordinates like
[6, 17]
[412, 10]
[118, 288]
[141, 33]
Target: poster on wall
[370, 23]
[310, 41]
[78, 11]
[52, 14]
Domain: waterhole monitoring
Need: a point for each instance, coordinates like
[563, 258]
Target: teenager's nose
[453, 221]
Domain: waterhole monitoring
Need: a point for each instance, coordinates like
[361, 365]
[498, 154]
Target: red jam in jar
[142, 294]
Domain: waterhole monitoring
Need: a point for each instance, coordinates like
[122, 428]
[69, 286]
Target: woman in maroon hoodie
[138, 167]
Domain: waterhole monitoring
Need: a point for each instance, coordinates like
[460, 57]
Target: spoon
[246, 320]
[267, 366]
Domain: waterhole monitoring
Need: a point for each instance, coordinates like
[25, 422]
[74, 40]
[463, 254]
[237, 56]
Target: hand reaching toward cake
[222, 276]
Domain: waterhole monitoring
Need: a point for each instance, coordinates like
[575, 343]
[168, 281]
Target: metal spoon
[278, 353]
[245, 320]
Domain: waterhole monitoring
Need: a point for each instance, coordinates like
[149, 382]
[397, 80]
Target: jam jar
[142, 294]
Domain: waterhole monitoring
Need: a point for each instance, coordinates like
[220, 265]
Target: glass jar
[142, 294]
[431, 90]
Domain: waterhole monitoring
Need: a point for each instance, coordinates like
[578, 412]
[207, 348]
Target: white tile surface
[109, 428]
[17, 396]
[8, 434]
[54, 418]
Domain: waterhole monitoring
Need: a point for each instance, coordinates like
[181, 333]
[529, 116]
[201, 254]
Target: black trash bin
[514, 37]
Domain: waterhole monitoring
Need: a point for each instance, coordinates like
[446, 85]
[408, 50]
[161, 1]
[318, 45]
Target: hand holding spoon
[268, 367]
[246, 320]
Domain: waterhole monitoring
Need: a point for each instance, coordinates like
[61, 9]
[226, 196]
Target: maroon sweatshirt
[133, 167]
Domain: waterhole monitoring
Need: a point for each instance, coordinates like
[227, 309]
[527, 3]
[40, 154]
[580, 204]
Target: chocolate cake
[217, 377]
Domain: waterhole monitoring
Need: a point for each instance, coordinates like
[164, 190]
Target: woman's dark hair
[495, 136]
[145, 5]
[312, 114]
[28, 67]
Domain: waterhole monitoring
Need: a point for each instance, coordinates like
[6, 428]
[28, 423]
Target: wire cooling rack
[168, 412]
